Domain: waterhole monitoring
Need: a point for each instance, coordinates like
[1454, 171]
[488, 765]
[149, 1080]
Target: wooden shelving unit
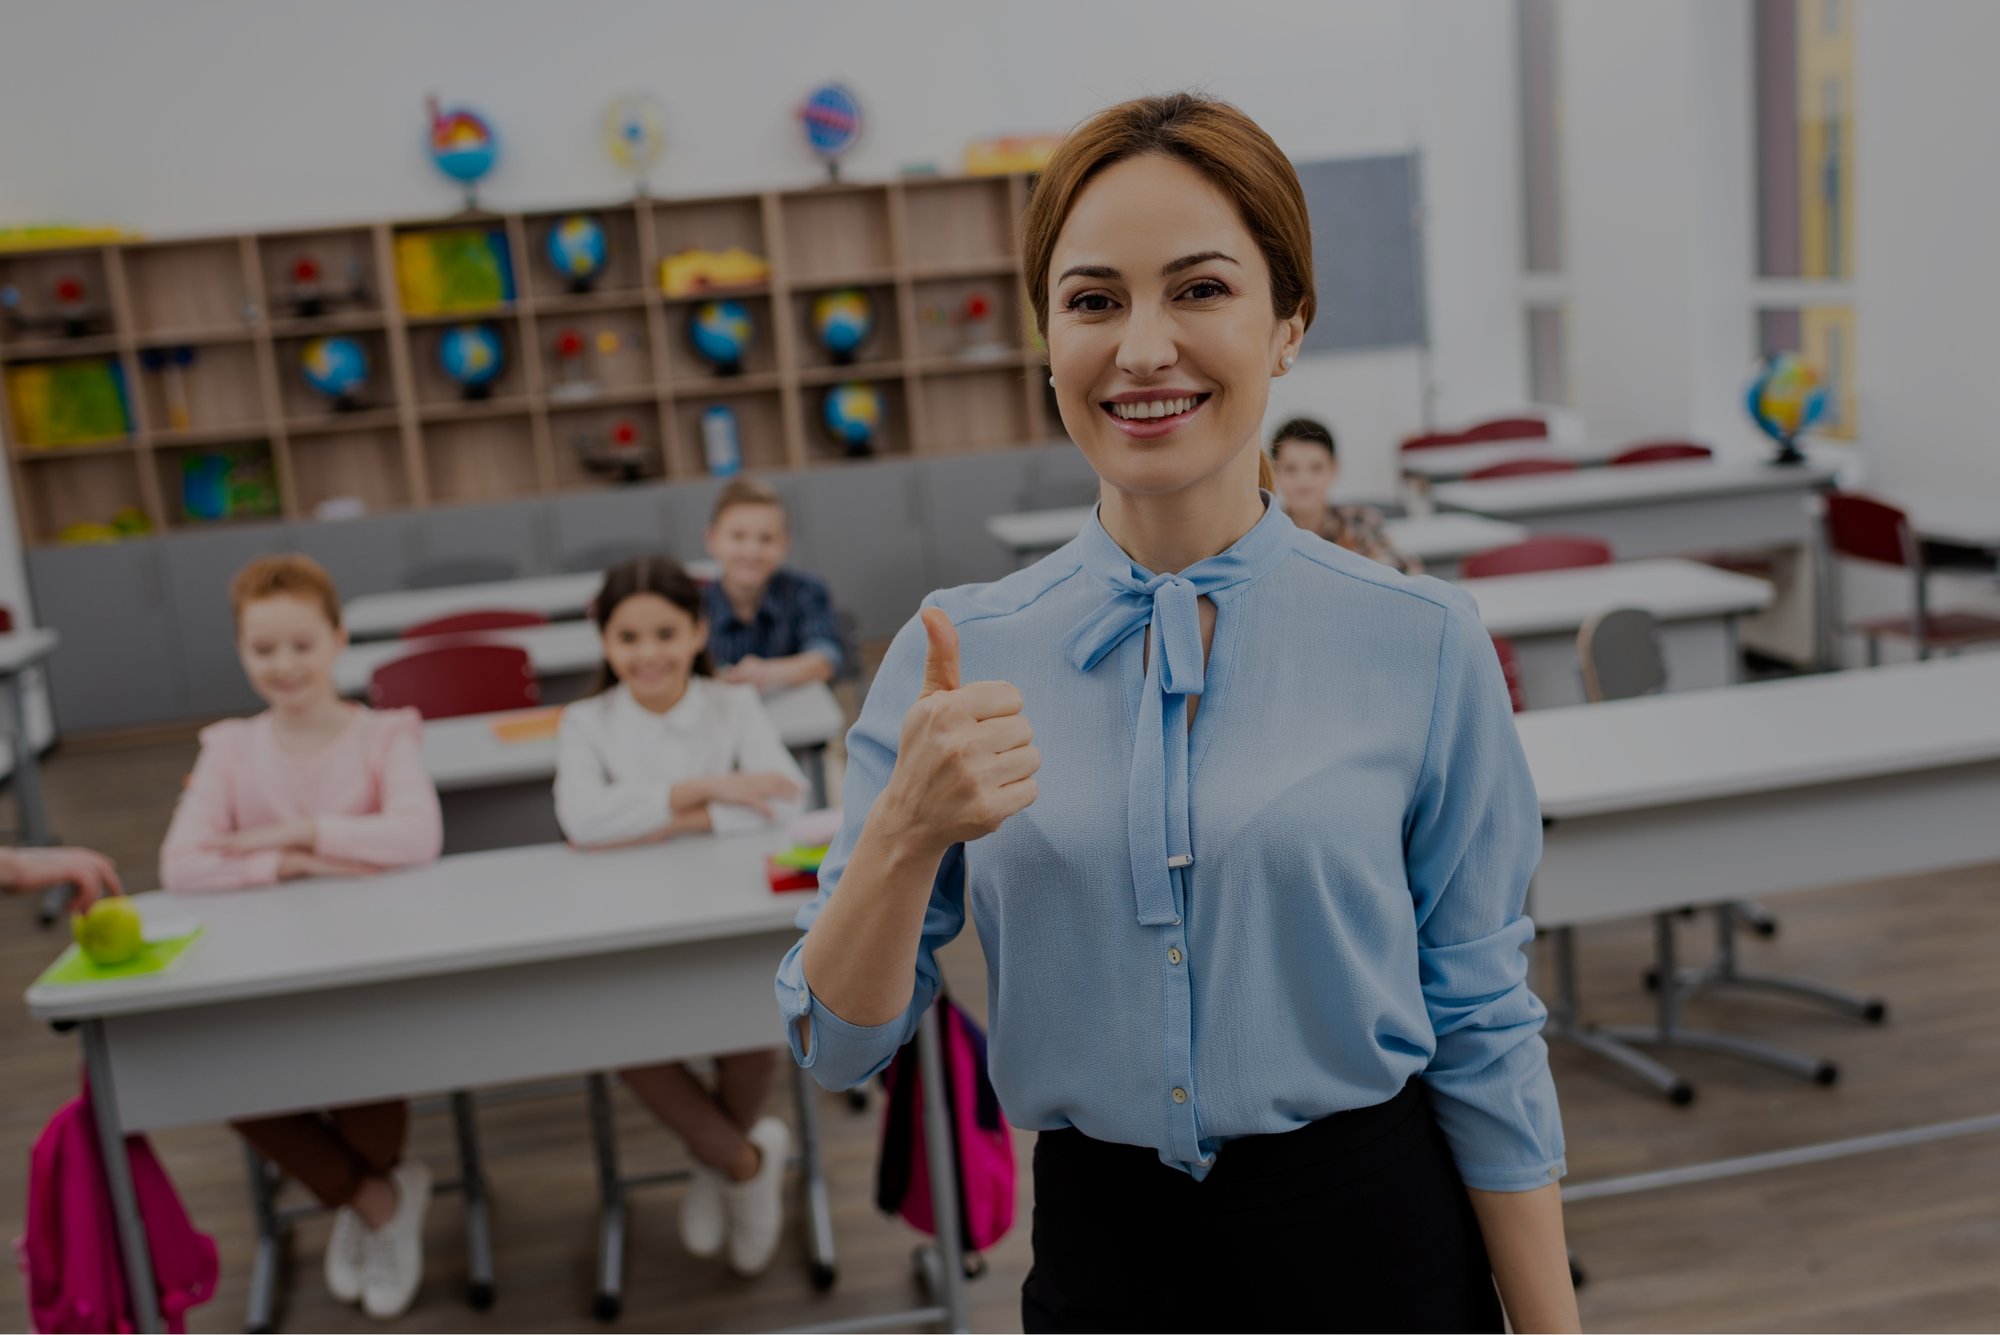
[226, 310]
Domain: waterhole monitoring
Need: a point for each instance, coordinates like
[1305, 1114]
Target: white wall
[226, 114]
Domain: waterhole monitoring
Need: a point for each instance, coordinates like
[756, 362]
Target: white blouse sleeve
[755, 746]
[590, 806]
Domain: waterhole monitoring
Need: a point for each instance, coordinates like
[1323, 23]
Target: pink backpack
[70, 1252]
[981, 1135]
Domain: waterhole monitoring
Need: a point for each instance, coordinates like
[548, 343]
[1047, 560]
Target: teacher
[1250, 886]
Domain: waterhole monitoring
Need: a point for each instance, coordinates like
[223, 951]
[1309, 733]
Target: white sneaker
[394, 1269]
[702, 1222]
[757, 1207]
[345, 1256]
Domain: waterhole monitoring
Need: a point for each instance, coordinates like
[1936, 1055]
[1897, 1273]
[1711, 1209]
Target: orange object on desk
[533, 725]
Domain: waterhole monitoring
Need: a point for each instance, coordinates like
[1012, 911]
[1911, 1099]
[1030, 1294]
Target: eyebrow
[1167, 270]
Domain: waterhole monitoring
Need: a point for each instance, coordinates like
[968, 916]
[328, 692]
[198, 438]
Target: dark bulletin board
[1368, 259]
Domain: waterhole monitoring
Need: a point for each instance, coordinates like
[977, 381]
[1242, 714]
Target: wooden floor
[1901, 1240]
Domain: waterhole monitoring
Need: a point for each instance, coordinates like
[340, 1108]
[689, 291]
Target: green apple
[111, 932]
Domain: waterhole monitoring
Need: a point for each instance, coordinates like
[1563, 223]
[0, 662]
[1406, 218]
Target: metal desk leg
[133, 1251]
[819, 1209]
[478, 1212]
[941, 1159]
[273, 1233]
[812, 759]
[610, 1298]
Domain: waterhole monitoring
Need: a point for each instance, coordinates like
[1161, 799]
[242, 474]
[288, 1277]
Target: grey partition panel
[959, 495]
[513, 531]
[366, 555]
[860, 526]
[117, 663]
[196, 569]
[1058, 477]
[1368, 262]
[635, 516]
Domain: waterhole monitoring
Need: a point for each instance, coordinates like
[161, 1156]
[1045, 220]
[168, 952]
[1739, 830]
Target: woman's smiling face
[1162, 340]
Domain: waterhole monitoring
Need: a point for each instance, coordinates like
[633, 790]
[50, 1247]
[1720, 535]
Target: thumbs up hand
[967, 758]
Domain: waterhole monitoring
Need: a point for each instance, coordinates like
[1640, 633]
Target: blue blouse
[1238, 928]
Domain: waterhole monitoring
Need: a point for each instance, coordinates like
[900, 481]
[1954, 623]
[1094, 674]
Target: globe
[577, 250]
[720, 331]
[472, 355]
[634, 132]
[462, 144]
[832, 120]
[853, 414]
[1784, 399]
[842, 321]
[336, 366]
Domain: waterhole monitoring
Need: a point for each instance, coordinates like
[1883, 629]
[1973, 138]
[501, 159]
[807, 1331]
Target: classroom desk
[375, 616]
[1968, 522]
[1448, 463]
[559, 650]
[1439, 541]
[496, 793]
[1775, 785]
[1663, 509]
[1696, 605]
[487, 969]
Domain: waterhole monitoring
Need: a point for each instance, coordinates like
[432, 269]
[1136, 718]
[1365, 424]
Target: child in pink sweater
[316, 786]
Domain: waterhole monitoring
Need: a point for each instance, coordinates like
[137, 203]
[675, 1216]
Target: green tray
[73, 966]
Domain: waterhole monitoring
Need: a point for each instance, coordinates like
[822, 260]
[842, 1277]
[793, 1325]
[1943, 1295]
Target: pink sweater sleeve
[204, 815]
[409, 829]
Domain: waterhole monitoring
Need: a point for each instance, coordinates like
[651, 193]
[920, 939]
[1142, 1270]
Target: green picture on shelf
[228, 484]
[68, 403]
[457, 269]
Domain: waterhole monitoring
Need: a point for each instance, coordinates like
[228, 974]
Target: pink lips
[1152, 428]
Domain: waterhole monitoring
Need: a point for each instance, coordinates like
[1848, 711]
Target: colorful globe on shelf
[473, 356]
[842, 322]
[577, 249]
[721, 332]
[831, 119]
[634, 133]
[1784, 399]
[462, 143]
[853, 414]
[336, 366]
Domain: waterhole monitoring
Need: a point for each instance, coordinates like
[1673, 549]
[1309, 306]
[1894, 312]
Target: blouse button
[1180, 1095]
[1173, 954]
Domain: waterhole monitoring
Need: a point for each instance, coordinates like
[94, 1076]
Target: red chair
[1430, 440]
[1510, 668]
[1548, 552]
[1659, 451]
[459, 623]
[1865, 529]
[1520, 468]
[457, 679]
[1507, 428]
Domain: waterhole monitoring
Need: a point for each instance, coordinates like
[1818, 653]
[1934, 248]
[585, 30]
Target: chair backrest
[1865, 529]
[1521, 468]
[1430, 440]
[459, 623]
[605, 555]
[1549, 551]
[457, 679]
[1510, 668]
[444, 573]
[1508, 428]
[1659, 451]
[1620, 654]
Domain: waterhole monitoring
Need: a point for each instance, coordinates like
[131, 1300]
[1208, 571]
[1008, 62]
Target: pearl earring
[1287, 360]
[1052, 382]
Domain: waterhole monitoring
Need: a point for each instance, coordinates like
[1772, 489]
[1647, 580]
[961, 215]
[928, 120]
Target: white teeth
[1140, 412]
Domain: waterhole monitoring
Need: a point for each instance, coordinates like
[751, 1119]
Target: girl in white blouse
[660, 751]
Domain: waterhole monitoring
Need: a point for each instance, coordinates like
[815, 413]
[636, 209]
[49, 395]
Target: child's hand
[25, 870]
[755, 790]
[296, 864]
[291, 834]
[762, 673]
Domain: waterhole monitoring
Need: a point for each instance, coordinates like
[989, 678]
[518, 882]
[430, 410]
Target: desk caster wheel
[929, 1267]
[607, 1306]
[480, 1296]
[1826, 1073]
[1681, 1095]
[1876, 1012]
[822, 1275]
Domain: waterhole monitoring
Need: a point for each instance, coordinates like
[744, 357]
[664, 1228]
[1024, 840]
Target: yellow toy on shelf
[693, 272]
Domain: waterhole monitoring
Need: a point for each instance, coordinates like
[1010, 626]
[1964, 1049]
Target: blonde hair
[745, 491]
[288, 576]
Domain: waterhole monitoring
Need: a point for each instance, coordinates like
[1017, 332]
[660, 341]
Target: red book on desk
[785, 879]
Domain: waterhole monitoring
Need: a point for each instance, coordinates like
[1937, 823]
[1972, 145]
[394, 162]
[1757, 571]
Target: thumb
[941, 658]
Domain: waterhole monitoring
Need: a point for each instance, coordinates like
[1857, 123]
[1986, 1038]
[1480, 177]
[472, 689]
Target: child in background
[1305, 465]
[664, 750]
[769, 627]
[317, 786]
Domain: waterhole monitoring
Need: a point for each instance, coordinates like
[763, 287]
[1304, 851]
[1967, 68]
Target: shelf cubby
[837, 235]
[348, 288]
[953, 222]
[300, 402]
[685, 364]
[708, 224]
[623, 273]
[944, 330]
[884, 344]
[219, 388]
[973, 410]
[576, 432]
[364, 464]
[487, 459]
[892, 436]
[436, 389]
[32, 278]
[171, 464]
[617, 351]
[185, 290]
[760, 429]
[89, 486]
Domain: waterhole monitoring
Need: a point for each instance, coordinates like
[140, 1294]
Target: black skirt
[1356, 1222]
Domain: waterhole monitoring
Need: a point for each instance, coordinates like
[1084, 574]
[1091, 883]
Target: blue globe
[473, 355]
[576, 248]
[842, 320]
[832, 119]
[720, 332]
[336, 366]
[853, 414]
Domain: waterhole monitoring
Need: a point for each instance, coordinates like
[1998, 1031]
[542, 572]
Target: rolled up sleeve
[1473, 839]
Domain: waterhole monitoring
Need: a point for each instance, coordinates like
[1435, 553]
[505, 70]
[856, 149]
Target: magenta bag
[985, 1143]
[70, 1253]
